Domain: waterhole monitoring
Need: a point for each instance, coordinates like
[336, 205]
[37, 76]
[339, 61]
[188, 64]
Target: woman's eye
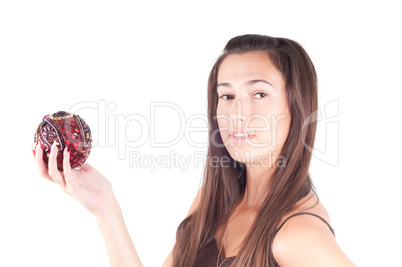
[262, 94]
[225, 96]
[228, 97]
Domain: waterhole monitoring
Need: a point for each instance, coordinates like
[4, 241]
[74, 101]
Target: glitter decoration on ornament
[67, 130]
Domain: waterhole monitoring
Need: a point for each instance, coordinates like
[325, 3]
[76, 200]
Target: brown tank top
[208, 256]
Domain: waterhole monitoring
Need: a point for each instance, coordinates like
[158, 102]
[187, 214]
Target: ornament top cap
[60, 115]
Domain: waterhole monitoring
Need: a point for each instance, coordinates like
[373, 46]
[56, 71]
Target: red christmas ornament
[67, 130]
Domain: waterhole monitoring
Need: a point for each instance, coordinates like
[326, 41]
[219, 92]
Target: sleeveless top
[208, 256]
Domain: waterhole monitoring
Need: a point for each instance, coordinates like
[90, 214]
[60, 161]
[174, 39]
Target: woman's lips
[242, 138]
[238, 136]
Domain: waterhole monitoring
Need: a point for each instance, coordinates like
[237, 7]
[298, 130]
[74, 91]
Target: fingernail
[66, 152]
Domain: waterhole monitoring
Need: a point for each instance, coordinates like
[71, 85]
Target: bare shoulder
[305, 240]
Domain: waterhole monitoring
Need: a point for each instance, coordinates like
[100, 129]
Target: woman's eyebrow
[251, 82]
[224, 84]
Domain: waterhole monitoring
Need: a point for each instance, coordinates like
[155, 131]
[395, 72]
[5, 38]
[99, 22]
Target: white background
[126, 55]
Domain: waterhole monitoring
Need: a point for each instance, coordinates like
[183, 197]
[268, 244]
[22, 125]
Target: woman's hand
[88, 186]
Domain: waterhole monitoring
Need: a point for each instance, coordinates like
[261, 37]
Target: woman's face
[252, 100]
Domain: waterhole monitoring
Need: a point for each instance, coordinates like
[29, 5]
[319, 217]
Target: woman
[257, 205]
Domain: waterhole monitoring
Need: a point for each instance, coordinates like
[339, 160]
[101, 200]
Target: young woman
[257, 205]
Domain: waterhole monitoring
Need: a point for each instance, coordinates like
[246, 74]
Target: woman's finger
[66, 165]
[53, 171]
[43, 172]
[68, 173]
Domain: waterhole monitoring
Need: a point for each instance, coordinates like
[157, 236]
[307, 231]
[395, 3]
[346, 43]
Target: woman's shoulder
[309, 204]
[305, 239]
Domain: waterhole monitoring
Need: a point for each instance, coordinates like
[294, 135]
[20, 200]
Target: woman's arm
[119, 245]
[93, 191]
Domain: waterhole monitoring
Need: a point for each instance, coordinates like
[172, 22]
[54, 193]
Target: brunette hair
[223, 186]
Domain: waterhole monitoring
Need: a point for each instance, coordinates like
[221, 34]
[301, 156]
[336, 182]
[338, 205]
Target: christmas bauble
[66, 130]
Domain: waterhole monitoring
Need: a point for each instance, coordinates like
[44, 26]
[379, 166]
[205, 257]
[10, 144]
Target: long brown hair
[224, 185]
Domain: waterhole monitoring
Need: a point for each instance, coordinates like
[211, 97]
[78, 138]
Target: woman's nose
[240, 110]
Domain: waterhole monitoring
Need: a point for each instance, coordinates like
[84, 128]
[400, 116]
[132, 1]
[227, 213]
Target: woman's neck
[257, 186]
